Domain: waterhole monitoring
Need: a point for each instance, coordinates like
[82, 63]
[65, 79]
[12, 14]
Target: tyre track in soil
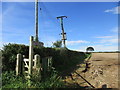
[101, 72]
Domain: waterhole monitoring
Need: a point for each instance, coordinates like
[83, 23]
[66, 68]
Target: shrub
[57, 44]
[9, 54]
[62, 57]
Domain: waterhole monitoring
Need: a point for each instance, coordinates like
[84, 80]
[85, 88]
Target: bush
[57, 44]
[62, 57]
[9, 54]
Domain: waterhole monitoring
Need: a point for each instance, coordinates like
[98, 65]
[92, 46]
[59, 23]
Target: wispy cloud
[108, 39]
[100, 48]
[115, 10]
[105, 37]
[48, 40]
[8, 10]
[76, 42]
[115, 30]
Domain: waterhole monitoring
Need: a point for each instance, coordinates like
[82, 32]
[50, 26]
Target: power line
[49, 15]
[44, 13]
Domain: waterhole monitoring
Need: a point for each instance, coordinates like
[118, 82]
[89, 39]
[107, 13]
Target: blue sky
[88, 24]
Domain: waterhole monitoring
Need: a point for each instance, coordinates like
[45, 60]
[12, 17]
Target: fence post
[44, 66]
[23, 66]
[18, 64]
[31, 55]
[49, 63]
[37, 66]
[37, 60]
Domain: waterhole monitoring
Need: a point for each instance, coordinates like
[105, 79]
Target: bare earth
[102, 72]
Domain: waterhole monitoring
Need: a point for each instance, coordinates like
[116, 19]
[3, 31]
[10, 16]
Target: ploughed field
[102, 72]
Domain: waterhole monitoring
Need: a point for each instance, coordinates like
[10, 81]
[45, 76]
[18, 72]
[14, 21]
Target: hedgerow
[62, 57]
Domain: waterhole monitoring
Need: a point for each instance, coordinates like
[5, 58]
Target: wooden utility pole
[63, 33]
[36, 21]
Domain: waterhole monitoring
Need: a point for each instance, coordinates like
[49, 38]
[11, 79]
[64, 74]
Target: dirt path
[102, 71]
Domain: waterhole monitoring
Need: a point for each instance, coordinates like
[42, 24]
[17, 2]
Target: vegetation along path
[101, 72]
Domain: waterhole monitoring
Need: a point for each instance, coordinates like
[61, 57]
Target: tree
[90, 49]
[57, 44]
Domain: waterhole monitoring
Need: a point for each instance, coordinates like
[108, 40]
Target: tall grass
[10, 80]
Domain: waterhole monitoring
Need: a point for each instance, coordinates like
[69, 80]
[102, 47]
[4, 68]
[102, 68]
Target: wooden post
[23, 65]
[37, 66]
[49, 63]
[37, 60]
[30, 55]
[44, 66]
[18, 64]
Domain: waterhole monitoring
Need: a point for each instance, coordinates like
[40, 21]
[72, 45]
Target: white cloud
[106, 48]
[105, 37]
[101, 43]
[48, 40]
[104, 43]
[76, 42]
[100, 48]
[108, 39]
[115, 10]
[115, 30]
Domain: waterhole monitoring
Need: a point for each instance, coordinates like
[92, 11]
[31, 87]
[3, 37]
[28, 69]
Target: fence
[33, 66]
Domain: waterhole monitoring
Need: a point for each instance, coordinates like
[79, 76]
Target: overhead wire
[45, 14]
[53, 20]
[48, 14]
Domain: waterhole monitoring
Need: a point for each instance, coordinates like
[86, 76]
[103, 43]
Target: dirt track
[102, 71]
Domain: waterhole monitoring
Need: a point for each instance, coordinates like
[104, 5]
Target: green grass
[9, 80]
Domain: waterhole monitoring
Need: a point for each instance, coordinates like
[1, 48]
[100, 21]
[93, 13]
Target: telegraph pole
[63, 33]
[36, 39]
[36, 21]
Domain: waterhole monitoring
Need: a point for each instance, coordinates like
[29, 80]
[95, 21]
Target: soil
[101, 71]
